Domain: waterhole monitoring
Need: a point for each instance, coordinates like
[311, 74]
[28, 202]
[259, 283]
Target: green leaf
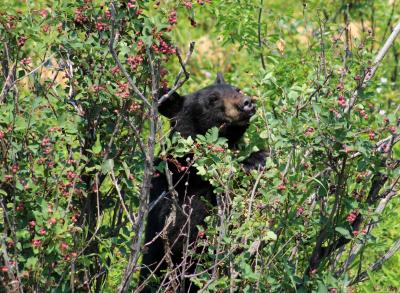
[31, 262]
[23, 234]
[213, 137]
[271, 236]
[107, 166]
[201, 171]
[96, 149]
[322, 288]
[264, 134]
[343, 231]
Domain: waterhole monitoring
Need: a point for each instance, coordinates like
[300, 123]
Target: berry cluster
[352, 217]
[134, 61]
[342, 101]
[172, 17]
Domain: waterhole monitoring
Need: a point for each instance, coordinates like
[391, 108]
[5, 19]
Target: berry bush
[79, 132]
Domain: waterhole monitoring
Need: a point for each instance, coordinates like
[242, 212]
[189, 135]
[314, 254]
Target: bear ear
[171, 106]
[220, 79]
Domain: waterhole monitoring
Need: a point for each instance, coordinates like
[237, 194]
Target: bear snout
[248, 106]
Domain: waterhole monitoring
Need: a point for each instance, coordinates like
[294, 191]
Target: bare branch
[377, 264]
[378, 59]
[389, 194]
[121, 199]
[259, 35]
[8, 84]
[178, 82]
[253, 192]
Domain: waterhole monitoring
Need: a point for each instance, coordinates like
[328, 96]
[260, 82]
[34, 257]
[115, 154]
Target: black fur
[191, 115]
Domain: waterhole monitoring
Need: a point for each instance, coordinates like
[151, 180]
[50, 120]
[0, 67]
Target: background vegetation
[77, 141]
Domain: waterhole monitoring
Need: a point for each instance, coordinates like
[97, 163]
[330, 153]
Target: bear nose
[248, 105]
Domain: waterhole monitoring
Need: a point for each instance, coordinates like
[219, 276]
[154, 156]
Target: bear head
[219, 105]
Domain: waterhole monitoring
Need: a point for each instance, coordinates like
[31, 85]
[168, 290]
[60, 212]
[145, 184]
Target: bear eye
[212, 99]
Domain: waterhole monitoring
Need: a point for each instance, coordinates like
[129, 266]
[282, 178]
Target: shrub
[79, 130]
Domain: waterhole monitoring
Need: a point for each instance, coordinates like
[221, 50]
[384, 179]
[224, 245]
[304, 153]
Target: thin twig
[253, 192]
[178, 81]
[259, 35]
[121, 199]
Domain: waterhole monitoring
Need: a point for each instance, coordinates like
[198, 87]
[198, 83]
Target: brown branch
[8, 84]
[387, 196]
[121, 199]
[378, 59]
[377, 264]
[259, 35]
[377, 183]
[15, 284]
[319, 252]
[178, 81]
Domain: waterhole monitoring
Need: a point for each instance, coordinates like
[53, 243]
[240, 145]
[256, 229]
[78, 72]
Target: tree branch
[178, 82]
[378, 59]
[377, 264]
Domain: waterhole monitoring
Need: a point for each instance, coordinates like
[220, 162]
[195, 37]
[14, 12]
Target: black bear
[178, 207]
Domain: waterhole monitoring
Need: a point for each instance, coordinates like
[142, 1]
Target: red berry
[114, 70]
[371, 135]
[63, 246]
[172, 17]
[37, 243]
[299, 211]
[392, 129]
[20, 206]
[42, 231]
[309, 131]
[188, 4]
[351, 217]
[100, 26]
[340, 86]
[21, 41]
[52, 221]
[313, 271]
[281, 186]
[342, 101]
[10, 243]
[74, 218]
[14, 168]
[25, 61]
[43, 12]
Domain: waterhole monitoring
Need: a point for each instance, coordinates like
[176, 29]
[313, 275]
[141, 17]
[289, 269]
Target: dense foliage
[79, 132]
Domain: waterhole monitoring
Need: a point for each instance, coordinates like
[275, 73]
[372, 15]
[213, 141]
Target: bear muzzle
[248, 107]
